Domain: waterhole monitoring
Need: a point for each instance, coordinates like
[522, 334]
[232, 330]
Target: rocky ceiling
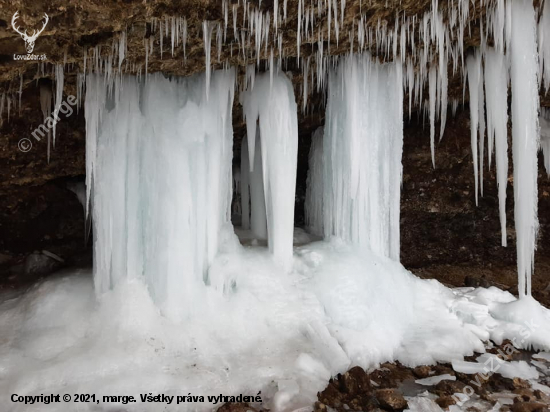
[74, 27]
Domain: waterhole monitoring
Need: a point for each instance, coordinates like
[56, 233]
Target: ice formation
[271, 100]
[314, 185]
[245, 185]
[473, 64]
[362, 148]
[544, 46]
[496, 85]
[258, 212]
[525, 136]
[143, 142]
[544, 121]
[59, 79]
[46, 107]
[515, 31]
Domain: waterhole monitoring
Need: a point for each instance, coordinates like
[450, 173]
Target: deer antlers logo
[29, 40]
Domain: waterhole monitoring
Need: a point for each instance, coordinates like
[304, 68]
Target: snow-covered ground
[256, 328]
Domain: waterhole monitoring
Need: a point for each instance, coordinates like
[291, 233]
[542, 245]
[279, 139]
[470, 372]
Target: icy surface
[489, 363]
[434, 380]
[306, 325]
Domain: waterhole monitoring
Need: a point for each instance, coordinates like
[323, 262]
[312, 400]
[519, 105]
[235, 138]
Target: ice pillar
[525, 136]
[271, 100]
[159, 159]
[362, 147]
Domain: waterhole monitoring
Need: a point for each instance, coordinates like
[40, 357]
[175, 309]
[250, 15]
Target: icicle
[59, 79]
[20, 91]
[481, 141]
[443, 86]
[544, 121]
[496, 88]
[146, 43]
[161, 36]
[122, 49]
[473, 65]
[235, 33]
[219, 43]
[432, 90]
[299, 30]
[525, 107]
[8, 101]
[46, 107]
[81, 81]
[184, 38]
[2, 102]
[207, 37]
[172, 34]
[544, 46]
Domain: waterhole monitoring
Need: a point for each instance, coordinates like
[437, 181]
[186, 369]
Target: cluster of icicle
[9, 98]
[145, 139]
[354, 181]
[516, 58]
[426, 44]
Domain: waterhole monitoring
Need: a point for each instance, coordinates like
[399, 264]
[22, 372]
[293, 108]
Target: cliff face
[440, 223]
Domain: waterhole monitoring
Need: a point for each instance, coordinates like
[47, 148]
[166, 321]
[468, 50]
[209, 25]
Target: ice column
[159, 159]
[362, 148]
[314, 185]
[272, 102]
[525, 136]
